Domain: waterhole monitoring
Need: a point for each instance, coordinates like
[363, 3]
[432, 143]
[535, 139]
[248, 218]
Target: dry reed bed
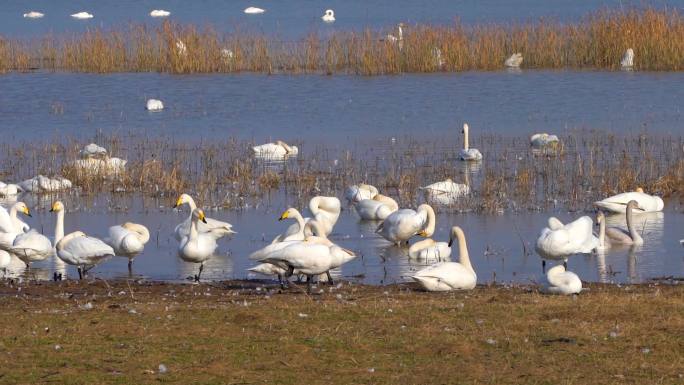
[596, 41]
[587, 167]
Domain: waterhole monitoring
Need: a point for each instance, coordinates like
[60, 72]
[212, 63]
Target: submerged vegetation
[586, 167]
[597, 41]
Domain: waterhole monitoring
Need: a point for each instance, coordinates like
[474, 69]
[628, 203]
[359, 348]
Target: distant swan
[445, 192]
[627, 61]
[359, 192]
[253, 10]
[378, 208]
[466, 152]
[82, 15]
[618, 203]
[10, 189]
[154, 105]
[622, 236]
[34, 15]
[181, 47]
[400, 35]
[217, 229]
[197, 247]
[403, 224]
[329, 16]
[159, 13]
[97, 162]
[543, 140]
[514, 61]
[446, 276]
[43, 184]
[558, 241]
[277, 150]
[128, 240]
[559, 281]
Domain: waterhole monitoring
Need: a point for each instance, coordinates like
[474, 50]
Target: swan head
[22, 208]
[633, 205]
[183, 199]
[465, 128]
[289, 213]
[57, 207]
[198, 215]
[456, 233]
[329, 13]
[639, 190]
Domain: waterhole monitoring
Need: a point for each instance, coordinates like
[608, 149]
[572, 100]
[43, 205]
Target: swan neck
[13, 212]
[59, 226]
[464, 257]
[193, 229]
[602, 232]
[431, 220]
[143, 234]
[466, 145]
[191, 203]
[633, 233]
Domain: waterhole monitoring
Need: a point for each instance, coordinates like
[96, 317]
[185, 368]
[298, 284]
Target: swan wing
[88, 250]
[32, 245]
[6, 224]
[309, 258]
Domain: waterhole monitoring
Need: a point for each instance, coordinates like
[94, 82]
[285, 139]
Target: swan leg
[80, 274]
[130, 267]
[565, 264]
[330, 280]
[543, 266]
[197, 277]
[308, 284]
[280, 281]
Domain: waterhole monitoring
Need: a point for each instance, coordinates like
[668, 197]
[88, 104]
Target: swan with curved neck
[10, 222]
[560, 281]
[626, 237]
[377, 208]
[197, 247]
[326, 211]
[359, 192]
[217, 229]
[277, 150]
[29, 246]
[466, 152]
[446, 276]
[128, 240]
[403, 224]
[294, 232]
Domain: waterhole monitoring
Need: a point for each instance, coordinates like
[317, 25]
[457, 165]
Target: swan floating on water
[445, 192]
[196, 246]
[154, 105]
[543, 140]
[514, 61]
[603, 241]
[82, 15]
[559, 241]
[627, 61]
[33, 15]
[560, 281]
[403, 224]
[128, 240]
[446, 276]
[466, 152]
[329, 16]
[618, 203]
[159, 13]
[254, 10]
[621, 236]
[277, 150]
[400, 34]
[378, 208]
[43, 184]
[215, 228]
[359, 192]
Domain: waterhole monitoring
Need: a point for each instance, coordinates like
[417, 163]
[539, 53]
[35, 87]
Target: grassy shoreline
[596, 41]
[247, 332]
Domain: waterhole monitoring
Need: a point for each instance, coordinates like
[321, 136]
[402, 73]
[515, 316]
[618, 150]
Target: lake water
[293, 19]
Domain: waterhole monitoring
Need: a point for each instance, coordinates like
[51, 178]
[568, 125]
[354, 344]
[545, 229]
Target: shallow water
[295, 18]
[338, 108]
[494, 244]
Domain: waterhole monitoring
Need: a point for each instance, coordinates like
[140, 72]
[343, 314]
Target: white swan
[329, 16]
[77, 248]
[437, 55]
[446, 276]
[401, 225]
[276, 150]
[181, 47]
[92, 150]
[618, 203]
[445, 192]
[359, 192]
[216, 229]
[10, 222]
[159, 13]
[254, 10]
[31, 247]
[559, 281]
[378, 208]
[197, 247]
[466, 152]
[9, 189]
[295, 232]
[627, 61]
[326, 211]
[227, 54]
[154, 105]
[128, 240]
[400, 34]
[82, 15]
[514, 61]
[43, 184]
[33, 15]
[543, 140]
[630, 236]
[430, 250]
[104, 166]
[313, 256]
[558, 241]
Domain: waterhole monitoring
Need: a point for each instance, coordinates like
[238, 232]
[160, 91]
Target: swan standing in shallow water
[254, 10]
[514, 61]
[378, 208]
[33, 15]
[559, 241]
[159, 13]
[466, 152]
[329, 16]
[627, 61]
[403, 224]
[16, 238]
[277, 150]
[359, 192]
[618, 203]
[77, 248]
[154, 105]
[625, 237]
[446, 276]
[82, 15]
[213, 227]
[128, 240]
[445, 192]
[197, 247]
[559, 281]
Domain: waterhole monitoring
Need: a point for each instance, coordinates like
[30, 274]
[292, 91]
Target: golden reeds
[597, 41]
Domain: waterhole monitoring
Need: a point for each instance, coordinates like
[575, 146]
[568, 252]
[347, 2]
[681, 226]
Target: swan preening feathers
[559, 241]
[128, 240]
[377, 208]
[216, 229]
[560, 281]
[403, 224]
